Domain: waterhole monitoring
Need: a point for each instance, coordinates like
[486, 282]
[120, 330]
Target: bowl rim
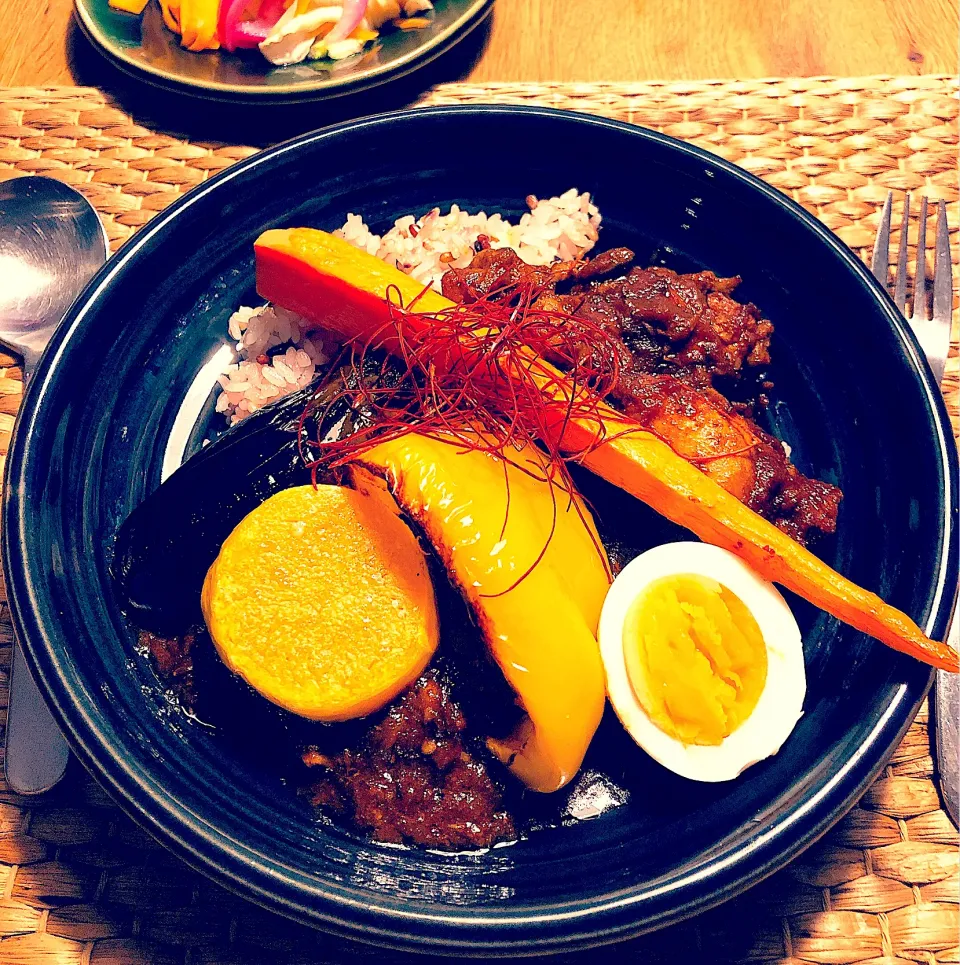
[475, 14]
[449, 929]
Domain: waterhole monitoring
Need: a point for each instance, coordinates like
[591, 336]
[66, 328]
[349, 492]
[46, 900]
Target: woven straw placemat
[82, 884]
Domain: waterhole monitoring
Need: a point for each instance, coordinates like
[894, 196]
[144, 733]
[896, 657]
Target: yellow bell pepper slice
[128, 6]
[493, 523]
[198, 24]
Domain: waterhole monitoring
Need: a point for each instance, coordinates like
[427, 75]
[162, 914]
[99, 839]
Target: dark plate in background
[146, 47]
[854, 400]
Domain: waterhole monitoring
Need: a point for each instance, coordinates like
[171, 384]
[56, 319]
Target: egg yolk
[695, 657]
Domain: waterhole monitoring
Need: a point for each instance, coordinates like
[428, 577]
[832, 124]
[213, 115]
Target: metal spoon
[51, 244]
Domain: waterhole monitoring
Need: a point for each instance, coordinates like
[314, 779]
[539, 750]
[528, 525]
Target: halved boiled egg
[703, 658]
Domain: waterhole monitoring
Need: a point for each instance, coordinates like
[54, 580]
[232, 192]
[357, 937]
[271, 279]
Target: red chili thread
[467, 374]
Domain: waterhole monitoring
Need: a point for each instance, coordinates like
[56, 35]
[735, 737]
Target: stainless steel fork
[933, 334]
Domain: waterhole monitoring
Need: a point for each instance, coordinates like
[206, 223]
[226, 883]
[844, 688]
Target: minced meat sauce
[409, 778]
[173, 658]
[413, 779]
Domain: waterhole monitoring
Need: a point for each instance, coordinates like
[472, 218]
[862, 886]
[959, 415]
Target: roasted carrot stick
[343, 289]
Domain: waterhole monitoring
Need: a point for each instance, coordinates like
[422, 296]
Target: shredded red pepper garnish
[474, 374]
[466, 373]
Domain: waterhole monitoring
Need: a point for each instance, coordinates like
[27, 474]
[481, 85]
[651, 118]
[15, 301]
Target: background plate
[144, 45]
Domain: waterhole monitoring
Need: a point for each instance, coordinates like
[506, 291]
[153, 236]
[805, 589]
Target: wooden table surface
[580, 40]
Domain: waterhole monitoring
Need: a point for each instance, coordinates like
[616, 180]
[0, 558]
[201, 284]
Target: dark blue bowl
[854, 399]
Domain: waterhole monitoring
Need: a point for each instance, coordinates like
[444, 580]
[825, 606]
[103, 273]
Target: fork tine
[942, 269]
[900, 288]
[942, 297]
[920, 275]
[880, 262]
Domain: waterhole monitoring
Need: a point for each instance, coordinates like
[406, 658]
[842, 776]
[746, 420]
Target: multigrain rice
[561, 228]
[276, 355]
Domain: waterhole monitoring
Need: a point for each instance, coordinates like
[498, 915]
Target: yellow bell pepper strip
[344, 290]
[198, 24]
[171, 14]
[128, 6]
[541, 629]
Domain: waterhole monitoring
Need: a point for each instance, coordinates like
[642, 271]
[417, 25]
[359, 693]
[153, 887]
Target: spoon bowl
[51, 243]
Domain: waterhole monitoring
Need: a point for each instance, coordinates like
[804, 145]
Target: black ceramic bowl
[853, 399]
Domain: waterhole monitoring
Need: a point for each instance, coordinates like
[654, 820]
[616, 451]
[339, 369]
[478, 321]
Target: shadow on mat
[196, 118]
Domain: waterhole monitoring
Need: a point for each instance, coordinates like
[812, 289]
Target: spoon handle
[36, 752]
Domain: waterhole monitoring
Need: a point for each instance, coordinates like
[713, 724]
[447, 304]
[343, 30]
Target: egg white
[781, 702]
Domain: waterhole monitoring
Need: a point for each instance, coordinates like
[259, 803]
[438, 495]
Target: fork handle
[946, 709]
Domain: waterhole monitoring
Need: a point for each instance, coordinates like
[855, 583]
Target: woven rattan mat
[80, 883]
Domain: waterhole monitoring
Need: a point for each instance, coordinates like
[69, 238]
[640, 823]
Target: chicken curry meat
[682, 339]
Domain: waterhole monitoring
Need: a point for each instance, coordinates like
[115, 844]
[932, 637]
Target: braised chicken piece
[674, 336]
[702, 426]
[689, 321]
[606, 263]
[693, 317]
[499, 269]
